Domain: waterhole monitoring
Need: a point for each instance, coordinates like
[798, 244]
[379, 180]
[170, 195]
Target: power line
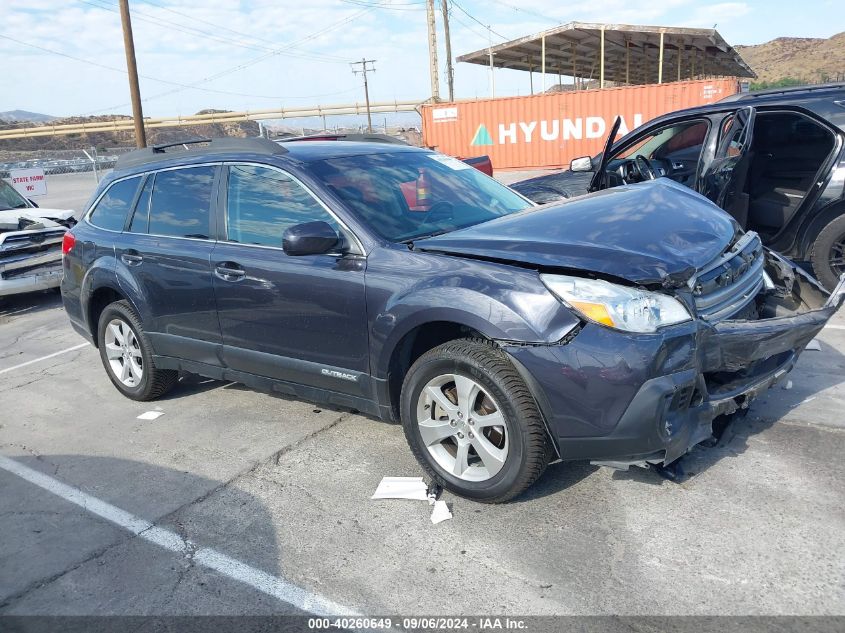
[215, 25]
[469, 27]
[193, 31]
[527, 11]
[392, 6]
[248, 63]
[475, 19]
[150, 78]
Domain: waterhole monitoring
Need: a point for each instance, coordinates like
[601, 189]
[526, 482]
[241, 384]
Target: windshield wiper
[410, 241]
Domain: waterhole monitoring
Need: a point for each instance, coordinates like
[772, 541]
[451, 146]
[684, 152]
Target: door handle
[229, 271]
[131, 258]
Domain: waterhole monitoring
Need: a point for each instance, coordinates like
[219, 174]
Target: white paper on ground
[814, 345]
[401, 488]
[440, 512]
[150, 415]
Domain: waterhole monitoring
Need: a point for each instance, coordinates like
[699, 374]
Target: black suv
[774, 160]
[410, 286]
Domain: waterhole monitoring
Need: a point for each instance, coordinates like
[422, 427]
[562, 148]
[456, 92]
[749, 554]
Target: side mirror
[585, 163]
[310, 238]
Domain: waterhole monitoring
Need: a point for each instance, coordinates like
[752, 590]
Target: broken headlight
[617, 306]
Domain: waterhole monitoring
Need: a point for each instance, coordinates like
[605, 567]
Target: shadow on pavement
[29, 303]
[60, 559]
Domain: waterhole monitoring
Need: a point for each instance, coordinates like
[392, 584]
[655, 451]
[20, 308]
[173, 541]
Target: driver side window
[687, 138]
[262, 203]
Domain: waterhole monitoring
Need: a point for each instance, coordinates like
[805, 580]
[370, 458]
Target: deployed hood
[656, 232]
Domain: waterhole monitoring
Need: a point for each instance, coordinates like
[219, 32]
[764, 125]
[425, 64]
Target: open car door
[600, 177]
[725, 179]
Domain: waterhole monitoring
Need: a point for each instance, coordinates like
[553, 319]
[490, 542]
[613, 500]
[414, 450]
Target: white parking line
[834, 327]
[206, 556]
[38, 360]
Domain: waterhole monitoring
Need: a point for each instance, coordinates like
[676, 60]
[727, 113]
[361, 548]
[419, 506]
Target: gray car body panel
[604, 394]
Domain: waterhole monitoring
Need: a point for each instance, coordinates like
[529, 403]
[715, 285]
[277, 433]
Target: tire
[515, 452]
[121, 336]
[830, 243]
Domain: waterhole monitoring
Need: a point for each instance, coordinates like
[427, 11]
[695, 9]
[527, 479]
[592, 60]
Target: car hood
[656, 232]
[10, 219]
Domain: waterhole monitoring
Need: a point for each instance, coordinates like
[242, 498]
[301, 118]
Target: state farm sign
[29, 182]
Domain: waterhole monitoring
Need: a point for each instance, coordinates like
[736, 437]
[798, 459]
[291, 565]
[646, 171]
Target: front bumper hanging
[620, 399]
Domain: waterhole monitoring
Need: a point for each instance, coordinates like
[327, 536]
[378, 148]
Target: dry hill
[121, 139]
[804, 59]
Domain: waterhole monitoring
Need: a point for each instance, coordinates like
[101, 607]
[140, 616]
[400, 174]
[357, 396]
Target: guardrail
[123, 125]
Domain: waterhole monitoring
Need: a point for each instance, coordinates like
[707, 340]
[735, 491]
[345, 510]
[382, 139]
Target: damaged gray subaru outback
[397, 281]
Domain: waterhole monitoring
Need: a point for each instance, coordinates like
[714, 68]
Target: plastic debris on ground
[414, 488]
[440, 512]
[151, 415]
[401, 488]
[788, 385]
[814, 346]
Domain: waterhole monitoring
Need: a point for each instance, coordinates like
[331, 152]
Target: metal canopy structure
[620, 53]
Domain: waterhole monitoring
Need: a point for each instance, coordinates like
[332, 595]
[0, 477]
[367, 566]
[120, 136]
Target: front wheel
[828, 254]
[127, 356]
[472, 423]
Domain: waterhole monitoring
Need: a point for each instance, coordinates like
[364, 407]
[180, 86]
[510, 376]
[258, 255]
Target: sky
[66, 57]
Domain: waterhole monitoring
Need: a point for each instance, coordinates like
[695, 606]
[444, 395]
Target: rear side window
[141, 217]
[181, 202]
[110, 212]
[263, 203]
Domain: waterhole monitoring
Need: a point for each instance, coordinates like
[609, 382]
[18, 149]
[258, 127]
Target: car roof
[227, 149]
[827, 101]
[307, 151]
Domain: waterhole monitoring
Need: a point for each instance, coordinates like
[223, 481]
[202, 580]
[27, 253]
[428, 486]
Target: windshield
[9, 198]
[408, 195]
[674, 138]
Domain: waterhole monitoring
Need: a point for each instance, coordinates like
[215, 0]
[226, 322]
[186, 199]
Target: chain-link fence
[62, 161]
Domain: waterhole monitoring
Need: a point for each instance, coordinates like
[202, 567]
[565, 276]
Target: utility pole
[364, 70]
[450, 71]
[432, 51]
[132, 70]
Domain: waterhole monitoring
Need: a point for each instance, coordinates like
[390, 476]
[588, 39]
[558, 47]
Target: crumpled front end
[31, 259]
[619, 398]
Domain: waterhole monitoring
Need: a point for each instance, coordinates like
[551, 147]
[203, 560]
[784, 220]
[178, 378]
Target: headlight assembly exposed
[617, 306]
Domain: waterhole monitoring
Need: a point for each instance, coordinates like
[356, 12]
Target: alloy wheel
[123, 351]
[462, 427]
[836, 258]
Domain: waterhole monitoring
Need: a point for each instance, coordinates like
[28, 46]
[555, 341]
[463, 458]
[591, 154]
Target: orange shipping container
[549, 130]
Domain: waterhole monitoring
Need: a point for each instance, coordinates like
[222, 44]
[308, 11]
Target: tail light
[68, 242]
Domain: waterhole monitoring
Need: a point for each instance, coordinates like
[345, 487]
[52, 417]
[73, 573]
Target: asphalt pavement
[240, 502]
[279, 491]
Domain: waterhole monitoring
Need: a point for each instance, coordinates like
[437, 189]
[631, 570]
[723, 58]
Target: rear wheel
[127, 355]
[472, 423]
[828, 253]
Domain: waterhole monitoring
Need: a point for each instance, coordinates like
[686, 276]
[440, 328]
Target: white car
[30, 243]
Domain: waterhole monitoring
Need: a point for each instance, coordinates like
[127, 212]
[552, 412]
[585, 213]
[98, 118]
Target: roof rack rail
[768, 92]
[157, 153]
[344, 136]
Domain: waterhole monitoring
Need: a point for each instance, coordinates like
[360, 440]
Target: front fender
[500, 302]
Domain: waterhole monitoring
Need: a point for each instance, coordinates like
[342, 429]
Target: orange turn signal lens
[594, 311]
